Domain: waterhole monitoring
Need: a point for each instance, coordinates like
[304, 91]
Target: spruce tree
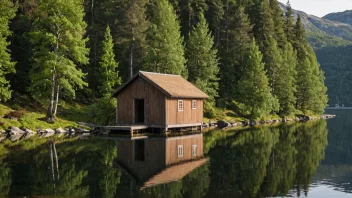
[289, 24]
[59, 46]
[165, 52]
[286, 84]
[232, 61]
[279, 23]
[7, 12]
[108, 66]
[254, 99]
[202, 61]
[131, 33]
[311, 91]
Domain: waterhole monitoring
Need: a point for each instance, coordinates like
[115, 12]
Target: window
[194, 104]
[180, 105]
[194, 150]
[180, 150]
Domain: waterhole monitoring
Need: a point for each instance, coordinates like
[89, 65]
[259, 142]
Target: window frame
[194, 150]
[194, 104]
[182, 106]
[180, 150]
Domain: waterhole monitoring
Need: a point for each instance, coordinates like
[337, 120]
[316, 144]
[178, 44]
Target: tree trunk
[131, 59]
[56, 99]
[49, 114]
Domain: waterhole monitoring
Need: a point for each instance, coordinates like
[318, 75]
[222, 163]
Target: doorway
[139, 111]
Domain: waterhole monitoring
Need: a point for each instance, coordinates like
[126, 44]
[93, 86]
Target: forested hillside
[247, 55]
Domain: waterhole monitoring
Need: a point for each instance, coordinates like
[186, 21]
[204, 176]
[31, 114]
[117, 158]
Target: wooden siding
[154, 158]
[187, 142]
[154, 103]
[187, 116]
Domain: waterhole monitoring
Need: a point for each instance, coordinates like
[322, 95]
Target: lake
[311, 159]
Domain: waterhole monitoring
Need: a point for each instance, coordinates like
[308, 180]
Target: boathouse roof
[174, 86]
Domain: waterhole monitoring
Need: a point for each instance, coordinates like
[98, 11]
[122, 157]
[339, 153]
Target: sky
[320, 7]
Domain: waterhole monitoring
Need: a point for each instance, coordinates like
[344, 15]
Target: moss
[31, 120]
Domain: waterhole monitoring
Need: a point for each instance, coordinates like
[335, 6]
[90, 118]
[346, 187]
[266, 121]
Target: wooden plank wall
[154, 157]
[187, 142]
[187, 116]
[154, 103]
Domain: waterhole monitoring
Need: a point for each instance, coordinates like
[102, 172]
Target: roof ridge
[158, 73]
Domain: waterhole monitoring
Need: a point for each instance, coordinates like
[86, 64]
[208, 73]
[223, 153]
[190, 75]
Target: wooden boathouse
[158, 101]
[156, 160]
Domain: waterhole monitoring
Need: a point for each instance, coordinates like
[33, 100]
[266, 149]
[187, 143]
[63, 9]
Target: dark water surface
[312, 159]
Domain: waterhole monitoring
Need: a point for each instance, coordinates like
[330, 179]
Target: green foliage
[108, 66]
[7, 10]
[202, 62]
[103, 111]
[59, 46]
[254, 97]
[311, 91]
[165, 52]
[232, 62]
[286, 83]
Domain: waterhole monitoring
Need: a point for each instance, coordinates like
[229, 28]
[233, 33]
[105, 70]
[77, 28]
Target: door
[139, 111]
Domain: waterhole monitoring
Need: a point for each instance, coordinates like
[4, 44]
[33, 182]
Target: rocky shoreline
[15, 133]
[222, 124]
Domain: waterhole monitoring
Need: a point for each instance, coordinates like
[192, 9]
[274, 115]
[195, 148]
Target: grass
[32, 120]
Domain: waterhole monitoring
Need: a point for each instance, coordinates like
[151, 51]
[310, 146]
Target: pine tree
[289, 24]
[278, 19]
[232, 61]
[131, 33]
[59, 46]
[8, 12]
[286, 84]
[108, 66]
[255, 99]
[311, 91]
[189, 12]
[165, 52]
[202, 61]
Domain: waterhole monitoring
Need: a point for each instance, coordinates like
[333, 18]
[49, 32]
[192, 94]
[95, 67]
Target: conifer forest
[249, 56]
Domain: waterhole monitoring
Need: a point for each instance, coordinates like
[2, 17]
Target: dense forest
[247, 55]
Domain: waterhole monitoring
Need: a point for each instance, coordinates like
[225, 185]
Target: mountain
[331, 38]
[342, 17]
[323, 32]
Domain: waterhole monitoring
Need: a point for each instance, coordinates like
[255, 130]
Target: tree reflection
[267, 161]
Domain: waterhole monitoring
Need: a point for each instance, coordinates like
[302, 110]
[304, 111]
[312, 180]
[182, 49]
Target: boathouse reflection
[157, 160]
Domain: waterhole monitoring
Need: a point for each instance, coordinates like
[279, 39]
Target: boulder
[252, 123]
[15, 131]
[223, 124]
[29, 133]
[60, 130]
[205, 125]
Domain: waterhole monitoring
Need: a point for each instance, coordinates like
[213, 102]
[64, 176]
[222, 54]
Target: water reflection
[256, 162]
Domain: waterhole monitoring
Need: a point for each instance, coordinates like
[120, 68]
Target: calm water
[298, 160]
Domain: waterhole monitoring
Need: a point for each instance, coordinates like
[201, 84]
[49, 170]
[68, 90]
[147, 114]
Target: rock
[49, 131]
[262, 122]
[245, 123]
[60, 130]
[252, 123]
[84, 136]
[223, 124]
[2, 138]
[29, 133]
[15, 131]
[14, 138]
[205, 125]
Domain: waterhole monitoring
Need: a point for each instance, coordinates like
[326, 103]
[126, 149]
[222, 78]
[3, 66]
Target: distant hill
[342, 17]
[322, 32]
[331, 37]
